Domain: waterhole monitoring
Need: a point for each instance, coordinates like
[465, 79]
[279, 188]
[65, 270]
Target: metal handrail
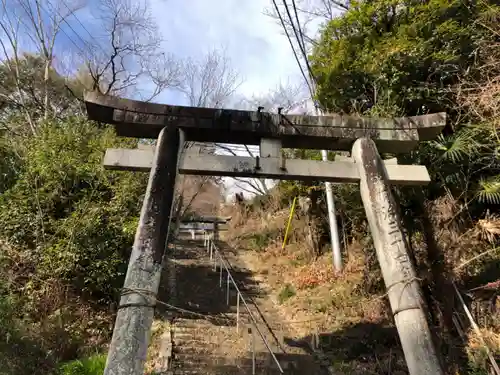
[214, 252]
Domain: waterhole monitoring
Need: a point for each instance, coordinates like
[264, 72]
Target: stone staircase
[200, 347]
[203, 332]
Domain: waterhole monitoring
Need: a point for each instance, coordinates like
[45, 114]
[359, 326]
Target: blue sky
[252, 40]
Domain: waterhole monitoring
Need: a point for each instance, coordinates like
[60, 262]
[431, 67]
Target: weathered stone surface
[335, 132]
[128, 347]
[350, 159]
[402, 283]
[244, 166]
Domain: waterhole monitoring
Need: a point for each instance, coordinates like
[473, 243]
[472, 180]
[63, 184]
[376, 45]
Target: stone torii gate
[173, 125]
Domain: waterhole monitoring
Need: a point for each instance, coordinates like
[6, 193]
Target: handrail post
[220, 274]
[237, 313]
[316, 338]
[227, 289]
[241, 299]
[252, 333]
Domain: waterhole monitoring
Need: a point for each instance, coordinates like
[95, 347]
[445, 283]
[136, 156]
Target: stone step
[261, 359]
[208, 353]
[205, 309]
[244, 367]
[230, 370]
[213, 346]
[198, 322]
[235, 370]
[196, 331]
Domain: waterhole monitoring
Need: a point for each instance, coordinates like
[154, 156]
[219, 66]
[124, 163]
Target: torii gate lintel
[132, 118]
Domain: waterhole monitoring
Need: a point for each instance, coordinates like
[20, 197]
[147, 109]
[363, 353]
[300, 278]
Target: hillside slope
[348, 313]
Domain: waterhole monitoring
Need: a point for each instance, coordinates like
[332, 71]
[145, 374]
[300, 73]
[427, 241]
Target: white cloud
[253, 41]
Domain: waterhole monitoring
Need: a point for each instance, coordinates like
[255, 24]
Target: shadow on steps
[291, 364]
[362, 348]
[197, 288]
[202, 336]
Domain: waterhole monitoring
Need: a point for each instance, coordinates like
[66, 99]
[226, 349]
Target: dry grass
[350, 322]
[467, 247]
[488, 229]
[476, 347]
[313, 299]
[321, 299]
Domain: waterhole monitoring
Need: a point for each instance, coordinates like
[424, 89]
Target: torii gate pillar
[403, 288]
[128, 349]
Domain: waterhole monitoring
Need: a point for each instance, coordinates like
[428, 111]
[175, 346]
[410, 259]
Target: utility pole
[332, 217]
[129, 344]
[403, 288]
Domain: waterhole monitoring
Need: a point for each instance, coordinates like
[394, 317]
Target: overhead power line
[334, 236]
[29, 14]
[63, 19]
[298, 34]
[293, 47]
[52, 18]
[298, 25]
[81, 24]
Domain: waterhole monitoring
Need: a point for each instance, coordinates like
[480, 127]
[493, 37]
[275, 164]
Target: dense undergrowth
[67, 229]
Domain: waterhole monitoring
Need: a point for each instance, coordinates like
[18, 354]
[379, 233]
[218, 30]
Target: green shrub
[259, 241]
[93, 365]
[286, 293]
[7, 308]
[476, 370]
[74, 216]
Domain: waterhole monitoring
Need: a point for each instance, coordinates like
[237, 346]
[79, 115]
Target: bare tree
[126, 56]
[306, 15]
[288, 96]
[122, 55]
[211, 81]
[322, 9]
[253, 186]
[207, 82]
[196, 194]
[300, 21]
[41, 23]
